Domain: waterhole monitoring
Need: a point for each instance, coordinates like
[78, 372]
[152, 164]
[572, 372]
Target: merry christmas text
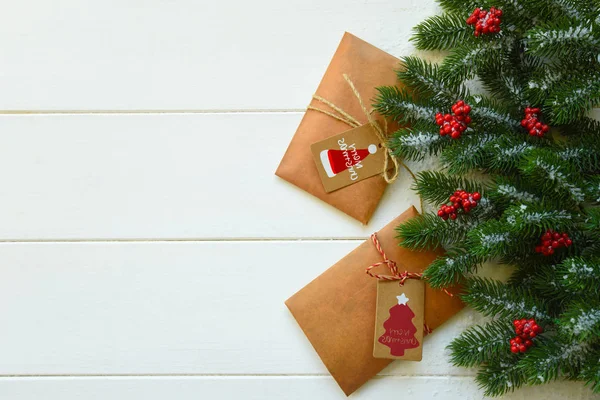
[351, 158]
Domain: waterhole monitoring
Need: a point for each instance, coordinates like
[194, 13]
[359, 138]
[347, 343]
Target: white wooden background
[146, 248]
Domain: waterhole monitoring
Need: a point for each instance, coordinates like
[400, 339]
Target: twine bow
[395, 276]
[389, 173]
[401, 277]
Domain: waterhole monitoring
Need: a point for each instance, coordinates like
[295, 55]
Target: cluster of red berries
[485, 22]
[461, 200]
[550, 241]
[526, 329]
[454, 124]
[532, 123]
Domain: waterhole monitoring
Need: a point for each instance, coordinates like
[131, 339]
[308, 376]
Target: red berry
[514, 349]
[476, 196]
[522, 348]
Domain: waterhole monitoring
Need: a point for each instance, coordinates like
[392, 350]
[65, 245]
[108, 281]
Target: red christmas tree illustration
[399, 330]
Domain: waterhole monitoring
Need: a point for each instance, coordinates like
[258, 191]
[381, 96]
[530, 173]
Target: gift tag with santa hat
[349, 157]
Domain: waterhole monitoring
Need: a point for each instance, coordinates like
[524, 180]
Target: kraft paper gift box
[336, 311]
[368, 67]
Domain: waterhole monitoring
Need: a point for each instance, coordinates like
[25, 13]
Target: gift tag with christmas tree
[399, 320]
[349, 157]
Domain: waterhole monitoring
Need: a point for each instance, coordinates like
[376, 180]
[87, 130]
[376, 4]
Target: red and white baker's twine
[401, 277]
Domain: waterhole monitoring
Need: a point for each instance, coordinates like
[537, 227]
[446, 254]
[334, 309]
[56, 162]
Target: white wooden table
[146, 246]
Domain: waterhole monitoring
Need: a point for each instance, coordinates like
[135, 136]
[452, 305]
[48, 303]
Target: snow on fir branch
[535, 220]
[481, 343]
[567, 8]
[394, 102]
[580, 274]
[495, 299]
[555, 174]
[552, 358]
[499, 377]
[515, 194]
[421, 142]
[548, 42]
[581, 321]
[492, 116]
[450, 269]
[417, 142]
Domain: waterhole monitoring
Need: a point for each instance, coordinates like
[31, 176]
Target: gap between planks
[191, 240]
[136, 112]
[49, 376]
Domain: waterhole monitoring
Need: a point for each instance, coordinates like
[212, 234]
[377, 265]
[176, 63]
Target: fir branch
[416, 142]
[579, 274]
[534, 220]
[584, 157]
[401, 106]
[490, 239]
[442, 32]
[465, 61]
[492, 115]
[592, 189]
[546, 283]
[426, 82]
[500, 377]
[562, 39]
[579, 10]
[436, 187]
[573, 98]
[470, 153]
[590, 372]
[493, 298]
[585, 125]
[508, 151]
[481, 344]
[556, 176]
[429, 231]
[552, 358]
[581, 320]
[508, 190]
[504, 83]
[450, 269]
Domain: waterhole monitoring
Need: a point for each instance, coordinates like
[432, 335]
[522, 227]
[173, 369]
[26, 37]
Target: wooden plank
[175, 176]
[184, 54]
[170, 308]
[266, 388]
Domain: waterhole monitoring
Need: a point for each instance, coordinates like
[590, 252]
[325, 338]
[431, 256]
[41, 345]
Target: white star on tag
[402, 299]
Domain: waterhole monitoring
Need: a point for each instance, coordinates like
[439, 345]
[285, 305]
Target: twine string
[389, 174]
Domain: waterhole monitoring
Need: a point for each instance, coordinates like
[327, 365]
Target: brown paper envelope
[368, 67]
[336, 311]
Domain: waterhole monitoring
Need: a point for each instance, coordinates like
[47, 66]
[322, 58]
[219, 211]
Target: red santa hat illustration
[336, 161]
